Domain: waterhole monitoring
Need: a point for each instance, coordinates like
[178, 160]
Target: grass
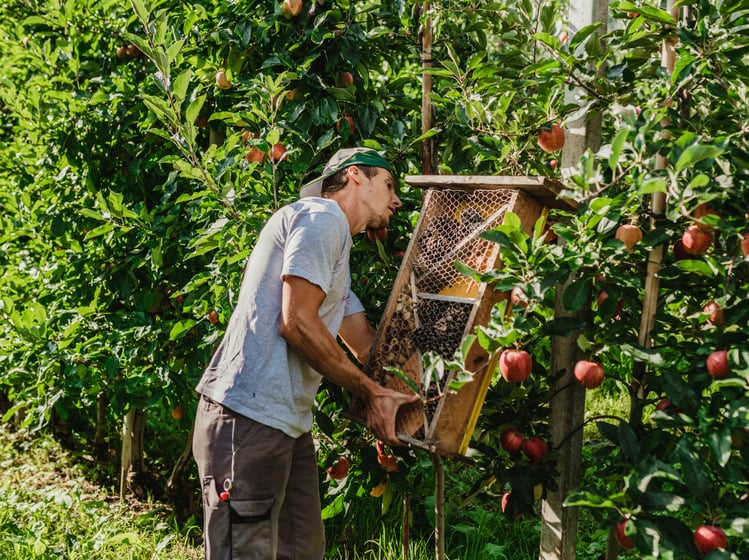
[49, 509]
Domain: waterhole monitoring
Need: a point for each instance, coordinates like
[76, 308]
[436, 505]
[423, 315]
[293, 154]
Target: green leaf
[180, 328]
[617, 146]
[696, 153]
[410, 383]
[642, 354]
[628, 442]
[193, 109]
[588, 498]
[179, 87]
[334, 508]
[577, 294]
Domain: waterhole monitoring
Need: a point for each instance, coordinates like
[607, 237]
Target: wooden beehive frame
[432, 306]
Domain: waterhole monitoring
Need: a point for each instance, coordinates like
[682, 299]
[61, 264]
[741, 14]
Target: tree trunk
[133, 472]
[178, 490]
[100, 435]
[406, 530]
[439, 507]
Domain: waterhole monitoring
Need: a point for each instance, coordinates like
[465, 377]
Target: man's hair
[338, 180]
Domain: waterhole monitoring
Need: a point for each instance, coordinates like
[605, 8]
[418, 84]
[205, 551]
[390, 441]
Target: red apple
[294, 94]
[551, 139]
[745, 245]
[222, 80]
[133, 52]
[518, 297]
[589, 374]
[345, 79]
[291, 8]
[178, 411]
[255, 154]
[716, 317]
[696, 240]
[278, 152]
[121, 52]
[339, 124]
[553, 164]
[511, 440]
[709, 537]
[505, 500]
[700, 212]
[535, 448]
[377, 233]
[621, 537]
[629, 234]
[339, 469]
[717, 364]
[213, 317]
[515, 365]
[680, 253]
[603, 296]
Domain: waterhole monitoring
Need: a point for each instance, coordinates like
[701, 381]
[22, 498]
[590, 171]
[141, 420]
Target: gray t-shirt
[254, 372]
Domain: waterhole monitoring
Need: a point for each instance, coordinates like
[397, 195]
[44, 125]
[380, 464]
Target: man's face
[381, 196]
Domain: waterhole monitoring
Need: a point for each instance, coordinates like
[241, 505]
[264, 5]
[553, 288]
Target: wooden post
[567, 407]
[439, 507]
[428, 165]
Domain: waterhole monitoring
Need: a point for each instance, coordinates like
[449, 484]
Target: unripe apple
[345, 79]
[551, 139]
[629, 234]
[588, 374]
[621, 536]
[696, 240]
[339, 469]
[535, 448]
[716, 317]
[515, 365]
[717, 364]
[709, 537]
[222, 80]
[511, 440]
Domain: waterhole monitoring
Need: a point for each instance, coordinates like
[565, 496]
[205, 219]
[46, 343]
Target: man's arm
[358, 335]
[304, 331]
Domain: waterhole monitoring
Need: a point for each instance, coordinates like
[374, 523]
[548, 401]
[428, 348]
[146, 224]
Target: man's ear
[354, 173]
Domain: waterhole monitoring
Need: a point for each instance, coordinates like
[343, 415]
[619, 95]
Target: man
[253, 445]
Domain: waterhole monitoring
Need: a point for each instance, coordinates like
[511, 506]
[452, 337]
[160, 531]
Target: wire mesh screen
[433, 305]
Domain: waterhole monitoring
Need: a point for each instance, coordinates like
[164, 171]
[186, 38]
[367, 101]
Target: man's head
[334, 176]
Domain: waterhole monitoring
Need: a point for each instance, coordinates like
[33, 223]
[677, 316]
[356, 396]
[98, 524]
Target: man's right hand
[382, 409]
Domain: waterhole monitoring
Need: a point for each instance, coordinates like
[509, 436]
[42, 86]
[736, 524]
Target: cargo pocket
[217, 522]
[251, 534]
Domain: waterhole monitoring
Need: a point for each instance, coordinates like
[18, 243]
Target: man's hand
[382, 409]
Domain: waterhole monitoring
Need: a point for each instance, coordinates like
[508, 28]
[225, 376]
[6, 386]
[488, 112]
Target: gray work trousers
[273, 510]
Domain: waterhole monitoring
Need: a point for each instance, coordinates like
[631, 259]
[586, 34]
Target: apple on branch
[551, 139]
[515, 365]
